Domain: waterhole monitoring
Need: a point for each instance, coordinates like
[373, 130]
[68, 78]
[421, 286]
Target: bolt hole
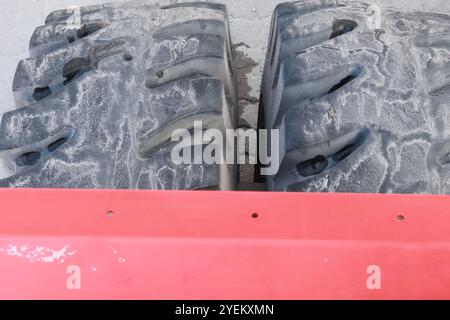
[76, 68]
[28, 159]
[110, 213]
[127, 57]
[255, 216]
[89, 29]
[57, 144]
[41, 93]
[313, 167]
[400, 218]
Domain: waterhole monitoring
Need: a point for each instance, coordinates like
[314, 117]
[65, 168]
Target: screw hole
[128, 57]
[57, 144]
[400, 218]
[255, 216]
[110, 213]
[28, 159]
[41, 93]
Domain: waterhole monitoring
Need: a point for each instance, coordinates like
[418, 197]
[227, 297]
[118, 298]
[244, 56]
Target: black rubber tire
[96, 105]
[360, 109]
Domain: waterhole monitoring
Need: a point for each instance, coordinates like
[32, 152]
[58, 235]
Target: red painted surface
[211, 245]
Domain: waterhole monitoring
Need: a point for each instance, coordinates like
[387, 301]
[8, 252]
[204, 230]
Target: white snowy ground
[250, 25]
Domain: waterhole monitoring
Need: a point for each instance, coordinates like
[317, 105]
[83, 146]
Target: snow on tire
[360, 98]
[97, 103]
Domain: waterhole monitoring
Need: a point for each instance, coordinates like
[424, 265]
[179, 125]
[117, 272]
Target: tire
[360, 109]
[96, 105]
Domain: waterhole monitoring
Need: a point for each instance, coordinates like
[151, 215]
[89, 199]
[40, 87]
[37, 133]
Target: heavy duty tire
[96, 105]
[360, 109]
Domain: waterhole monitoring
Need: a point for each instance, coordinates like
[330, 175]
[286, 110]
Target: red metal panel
[74, 244]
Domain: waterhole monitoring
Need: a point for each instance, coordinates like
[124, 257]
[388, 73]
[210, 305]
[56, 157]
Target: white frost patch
[38, 254]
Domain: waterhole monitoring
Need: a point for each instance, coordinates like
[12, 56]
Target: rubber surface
[104, 89]
[362, 104]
